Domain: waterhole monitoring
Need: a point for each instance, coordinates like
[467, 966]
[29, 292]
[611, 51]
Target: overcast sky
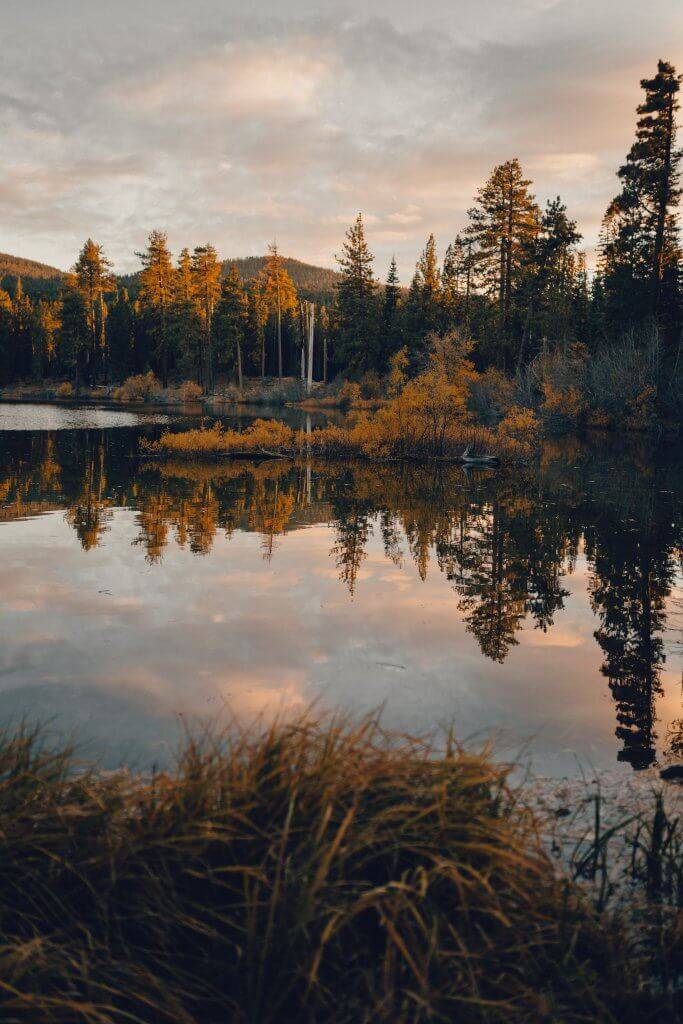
[236, 123]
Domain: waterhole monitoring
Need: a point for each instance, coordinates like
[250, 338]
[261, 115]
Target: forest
[601, 346]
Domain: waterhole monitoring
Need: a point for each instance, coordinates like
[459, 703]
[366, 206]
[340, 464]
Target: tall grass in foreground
[310, 873]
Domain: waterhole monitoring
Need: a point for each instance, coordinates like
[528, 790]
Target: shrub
[313, 872]
[491, 395]
[65, 390]
[190, 391]
[520, 424]
[349, 394]
[141, 388]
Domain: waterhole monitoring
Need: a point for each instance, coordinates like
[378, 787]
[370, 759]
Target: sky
[240, 123]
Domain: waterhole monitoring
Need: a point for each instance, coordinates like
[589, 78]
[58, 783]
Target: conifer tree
[356, 311]
[281, 300]
[639, 246]
[258, 318]
[75, 330]
[156, 296]
[205, 270]
[121, 335]
[390, 330]
[550, 281]
[93, 277]
[503, 224]
[232, 317]
[6, 334]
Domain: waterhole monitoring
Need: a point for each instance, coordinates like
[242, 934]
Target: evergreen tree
[93, 278]
[205, 271]
[503, 224]
[121, 336]
[46, 326]
[282, 302]
[356, 312]
[258, 318]
[390, 334]
[232, 319]
[23, 333]
[6, 338]
[551, 281]
[75, 332]
[639, 243]
[156, 296]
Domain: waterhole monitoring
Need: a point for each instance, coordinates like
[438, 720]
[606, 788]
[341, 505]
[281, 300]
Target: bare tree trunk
[279, 331]
[311, 332]
[325, 359]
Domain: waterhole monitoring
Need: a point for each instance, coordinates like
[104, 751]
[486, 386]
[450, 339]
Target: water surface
[543, 607]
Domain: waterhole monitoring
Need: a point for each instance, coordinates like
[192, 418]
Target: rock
[674, 773]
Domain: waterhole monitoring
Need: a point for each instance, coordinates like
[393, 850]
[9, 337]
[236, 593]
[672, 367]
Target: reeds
[314, 872]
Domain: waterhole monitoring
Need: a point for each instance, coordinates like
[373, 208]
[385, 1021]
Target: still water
[545, 609]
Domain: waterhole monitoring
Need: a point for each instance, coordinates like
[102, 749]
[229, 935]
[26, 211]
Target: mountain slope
[17, 266]
[313, 282]
[38, 279]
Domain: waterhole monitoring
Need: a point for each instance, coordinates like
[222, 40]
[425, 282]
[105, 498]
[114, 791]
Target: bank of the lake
[327, 871]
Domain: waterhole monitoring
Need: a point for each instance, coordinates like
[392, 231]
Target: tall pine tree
[356, 309]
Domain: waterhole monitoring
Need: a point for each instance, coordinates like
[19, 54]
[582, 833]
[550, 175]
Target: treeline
[514, 280]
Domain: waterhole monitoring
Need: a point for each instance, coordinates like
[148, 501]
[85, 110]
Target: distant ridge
[311, 281]
[38, 279]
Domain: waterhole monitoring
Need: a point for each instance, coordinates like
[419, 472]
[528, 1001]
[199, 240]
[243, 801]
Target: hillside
[313, 282]
[39, 279]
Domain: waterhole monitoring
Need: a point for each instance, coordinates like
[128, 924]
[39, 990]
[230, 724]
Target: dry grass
[312, 873]
[368, 437]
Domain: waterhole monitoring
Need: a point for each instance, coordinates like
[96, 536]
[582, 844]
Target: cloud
[239, 82]
[215, 122]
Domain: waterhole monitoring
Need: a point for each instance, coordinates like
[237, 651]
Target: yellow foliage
[562, 406]
[190, 392]
[65, 390]
[521, 424]
[141, 388]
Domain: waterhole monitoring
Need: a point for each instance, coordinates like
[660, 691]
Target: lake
[543, 608]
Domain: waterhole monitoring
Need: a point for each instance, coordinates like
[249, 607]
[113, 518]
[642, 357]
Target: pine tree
[639, 247]
[258, 318]
[356, 311]
[75, 330]
[157, 280]
[550, 281]
[93, 277]
[281, 299]
[232, 318]
[23, 333]
[503, 224]
[205, 270]
[121, 336]
[6, 337]
[391, 329]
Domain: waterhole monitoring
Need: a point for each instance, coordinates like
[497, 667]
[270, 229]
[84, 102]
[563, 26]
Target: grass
[313, 872]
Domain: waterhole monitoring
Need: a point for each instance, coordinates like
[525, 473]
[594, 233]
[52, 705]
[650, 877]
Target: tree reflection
[505, 544]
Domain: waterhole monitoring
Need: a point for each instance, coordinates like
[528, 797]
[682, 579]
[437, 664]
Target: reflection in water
[506, 545]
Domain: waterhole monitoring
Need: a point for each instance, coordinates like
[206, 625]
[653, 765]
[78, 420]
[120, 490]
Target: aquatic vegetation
[313, 871]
